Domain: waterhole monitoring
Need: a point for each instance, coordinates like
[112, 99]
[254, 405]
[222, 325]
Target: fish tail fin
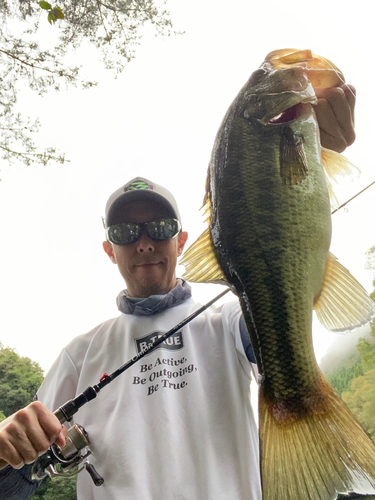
[317, 456]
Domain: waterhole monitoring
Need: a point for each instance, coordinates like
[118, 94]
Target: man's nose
[145, 244]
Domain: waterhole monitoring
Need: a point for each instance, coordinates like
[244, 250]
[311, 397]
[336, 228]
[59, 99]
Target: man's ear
[108, 248]
[182, 237]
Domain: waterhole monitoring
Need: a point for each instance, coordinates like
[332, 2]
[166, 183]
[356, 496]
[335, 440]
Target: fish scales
[271, 247]
[269, 234]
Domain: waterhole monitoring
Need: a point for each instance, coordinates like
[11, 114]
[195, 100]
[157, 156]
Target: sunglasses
[129, 232]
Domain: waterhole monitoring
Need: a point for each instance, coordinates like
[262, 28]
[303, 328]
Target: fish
[268, 208]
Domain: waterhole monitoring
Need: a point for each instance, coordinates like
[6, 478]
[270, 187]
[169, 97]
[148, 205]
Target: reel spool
[64, 462]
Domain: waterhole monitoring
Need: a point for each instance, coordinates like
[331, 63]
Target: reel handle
[95, 476]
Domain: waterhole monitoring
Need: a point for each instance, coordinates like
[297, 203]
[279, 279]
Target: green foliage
[359, 393]
[45, 5]
[342, 378]
[20, 378]
[361, 401]
[53, 13]
[367, 351]
[58, 488]
[113, 27]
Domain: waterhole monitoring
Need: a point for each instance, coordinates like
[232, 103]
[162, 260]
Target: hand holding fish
[336, 99]
[335, 115]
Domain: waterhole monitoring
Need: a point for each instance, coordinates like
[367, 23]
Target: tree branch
[56, 72]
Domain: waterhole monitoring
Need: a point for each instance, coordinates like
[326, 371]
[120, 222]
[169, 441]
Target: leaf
[58, 12]
[51, 17]
[45, 5]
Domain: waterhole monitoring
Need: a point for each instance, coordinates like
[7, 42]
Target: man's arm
[335, 114]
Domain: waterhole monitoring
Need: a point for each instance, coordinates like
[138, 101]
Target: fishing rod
[64, 461]
[355, 196]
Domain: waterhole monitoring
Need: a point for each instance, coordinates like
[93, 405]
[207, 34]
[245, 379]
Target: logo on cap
[138, 184]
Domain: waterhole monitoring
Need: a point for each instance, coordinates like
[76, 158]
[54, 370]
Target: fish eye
[257, 76]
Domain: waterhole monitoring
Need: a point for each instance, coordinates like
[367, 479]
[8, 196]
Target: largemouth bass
[268, 206]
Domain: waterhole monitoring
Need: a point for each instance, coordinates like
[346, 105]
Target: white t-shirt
[178, 425]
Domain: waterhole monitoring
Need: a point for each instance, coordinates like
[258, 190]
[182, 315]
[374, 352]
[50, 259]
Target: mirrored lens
[127, 232]
[163, 229]
[123, 234]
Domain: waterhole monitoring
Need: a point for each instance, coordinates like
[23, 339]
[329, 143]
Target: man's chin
[148, 288]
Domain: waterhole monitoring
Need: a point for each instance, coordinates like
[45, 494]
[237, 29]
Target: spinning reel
[65, 462]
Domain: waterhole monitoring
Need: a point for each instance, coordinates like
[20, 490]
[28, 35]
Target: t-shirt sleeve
[60, 383]
[16, 484]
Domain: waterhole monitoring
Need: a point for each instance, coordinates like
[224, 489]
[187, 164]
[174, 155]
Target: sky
[158, 120]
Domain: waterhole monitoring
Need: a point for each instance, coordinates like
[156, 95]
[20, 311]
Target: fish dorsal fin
[201, 265]
[343, 304]
[336, 165]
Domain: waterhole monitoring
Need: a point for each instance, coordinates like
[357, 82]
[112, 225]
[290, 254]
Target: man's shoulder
[81, 343]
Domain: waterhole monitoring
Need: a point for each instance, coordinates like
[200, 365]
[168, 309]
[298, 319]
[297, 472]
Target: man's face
[147, 266]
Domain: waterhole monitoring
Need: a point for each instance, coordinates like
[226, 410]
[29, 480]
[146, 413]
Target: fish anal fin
[343, 304]
[293, 163]
[314, 457]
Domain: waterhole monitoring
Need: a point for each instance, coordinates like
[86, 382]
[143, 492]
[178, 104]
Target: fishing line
[355, 196]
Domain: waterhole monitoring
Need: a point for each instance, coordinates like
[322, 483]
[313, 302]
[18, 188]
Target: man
[179, 424]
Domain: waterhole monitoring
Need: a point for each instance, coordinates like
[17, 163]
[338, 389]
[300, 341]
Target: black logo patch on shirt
[173, 343]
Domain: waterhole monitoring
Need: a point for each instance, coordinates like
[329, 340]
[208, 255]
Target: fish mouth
[293, 113]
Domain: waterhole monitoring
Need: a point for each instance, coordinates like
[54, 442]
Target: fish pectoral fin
[293, 163]
[336, 165]
[201, 265]
[343, 304]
